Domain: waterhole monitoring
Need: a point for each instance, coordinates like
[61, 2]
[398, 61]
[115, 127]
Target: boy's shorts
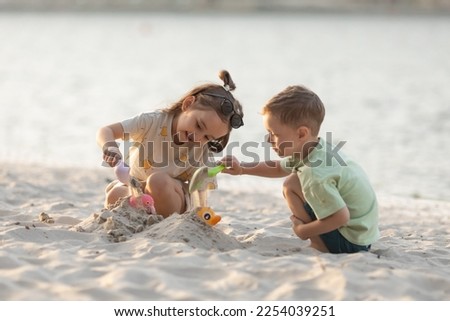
[334, 241]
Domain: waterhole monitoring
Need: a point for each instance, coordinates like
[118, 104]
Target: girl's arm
[106, 139]
[264, 169]
[317, 227]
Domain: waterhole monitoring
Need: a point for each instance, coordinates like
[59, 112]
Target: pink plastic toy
[138, 199]
[143, 201]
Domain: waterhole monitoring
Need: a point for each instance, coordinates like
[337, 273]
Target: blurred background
[381, 67]
[235, 5]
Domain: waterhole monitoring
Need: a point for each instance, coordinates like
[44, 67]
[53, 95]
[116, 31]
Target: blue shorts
[334, 241]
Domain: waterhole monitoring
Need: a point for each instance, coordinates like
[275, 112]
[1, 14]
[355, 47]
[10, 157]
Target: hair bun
[227, 81]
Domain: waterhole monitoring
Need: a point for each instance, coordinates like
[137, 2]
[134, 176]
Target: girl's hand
[112, 155]
[233, 166]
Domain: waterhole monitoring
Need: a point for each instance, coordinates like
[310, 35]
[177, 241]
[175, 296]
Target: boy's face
[285, 140]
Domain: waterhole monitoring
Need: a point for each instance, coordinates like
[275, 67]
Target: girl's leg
[167, 192]
[113, 193]
[292, 191]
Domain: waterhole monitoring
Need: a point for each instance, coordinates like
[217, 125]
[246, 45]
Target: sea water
[384, 80]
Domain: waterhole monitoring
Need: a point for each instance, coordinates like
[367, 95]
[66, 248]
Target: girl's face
[198, 125]
[285, 140]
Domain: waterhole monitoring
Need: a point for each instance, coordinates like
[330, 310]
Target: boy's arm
[317, 227]
[106, 139]
[264, 169]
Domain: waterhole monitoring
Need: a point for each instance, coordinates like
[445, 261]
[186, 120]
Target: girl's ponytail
[228, 83]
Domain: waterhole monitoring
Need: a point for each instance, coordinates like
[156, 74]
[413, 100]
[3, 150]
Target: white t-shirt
[149, 148]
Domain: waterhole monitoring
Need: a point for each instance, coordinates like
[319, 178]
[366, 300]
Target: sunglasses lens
[236, 121]
[215, 146]
[227, 107]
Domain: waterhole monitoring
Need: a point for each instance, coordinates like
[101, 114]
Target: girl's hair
[212, 96]
[297, 106]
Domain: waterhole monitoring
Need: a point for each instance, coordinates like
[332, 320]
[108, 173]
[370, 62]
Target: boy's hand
[112, 155]
[233, 166]
[297, 226]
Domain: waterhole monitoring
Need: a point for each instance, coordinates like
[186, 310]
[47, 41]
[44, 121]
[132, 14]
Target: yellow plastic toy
[208, 215]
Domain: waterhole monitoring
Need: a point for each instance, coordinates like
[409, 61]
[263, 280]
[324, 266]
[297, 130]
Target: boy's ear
[303, 132]
[187, 102]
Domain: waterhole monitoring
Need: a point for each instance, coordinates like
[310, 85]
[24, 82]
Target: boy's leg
[292, 191]
[167, 192]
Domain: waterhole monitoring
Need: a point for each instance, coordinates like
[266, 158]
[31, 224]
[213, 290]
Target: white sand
[251, 254]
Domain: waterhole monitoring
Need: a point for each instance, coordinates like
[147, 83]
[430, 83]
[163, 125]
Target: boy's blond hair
[297, 106]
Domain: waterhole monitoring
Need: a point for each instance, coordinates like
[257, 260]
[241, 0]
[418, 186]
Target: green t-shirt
[331, 181]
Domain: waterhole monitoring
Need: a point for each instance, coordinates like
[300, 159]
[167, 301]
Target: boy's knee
[291, 183]
[293, 187]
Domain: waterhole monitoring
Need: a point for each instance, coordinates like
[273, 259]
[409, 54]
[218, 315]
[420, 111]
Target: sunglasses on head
[227, 108]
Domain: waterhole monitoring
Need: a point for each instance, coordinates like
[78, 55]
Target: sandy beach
[66, 74]
[251, 254]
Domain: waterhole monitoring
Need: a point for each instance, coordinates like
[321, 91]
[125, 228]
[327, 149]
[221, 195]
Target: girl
[170, 144]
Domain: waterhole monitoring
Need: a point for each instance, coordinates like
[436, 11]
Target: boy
[330, 197]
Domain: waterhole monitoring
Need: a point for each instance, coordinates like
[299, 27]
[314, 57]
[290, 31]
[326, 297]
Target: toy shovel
[200, 179]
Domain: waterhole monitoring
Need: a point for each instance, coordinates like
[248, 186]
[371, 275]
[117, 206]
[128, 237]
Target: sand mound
[190, 229]
[123, 221]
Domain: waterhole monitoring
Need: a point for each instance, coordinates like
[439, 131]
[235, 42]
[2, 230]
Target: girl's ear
[303, 132]
[187, 102]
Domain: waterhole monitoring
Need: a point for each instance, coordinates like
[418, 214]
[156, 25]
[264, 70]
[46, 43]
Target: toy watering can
[202, 181]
